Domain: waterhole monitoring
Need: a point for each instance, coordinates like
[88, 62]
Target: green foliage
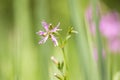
[22, 58]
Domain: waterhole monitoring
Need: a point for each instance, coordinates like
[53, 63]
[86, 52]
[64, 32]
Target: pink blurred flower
[110, 25]
[110, 28]
[114, 45]
[48, 33]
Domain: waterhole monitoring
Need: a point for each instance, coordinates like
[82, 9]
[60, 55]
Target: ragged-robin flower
[49, 33]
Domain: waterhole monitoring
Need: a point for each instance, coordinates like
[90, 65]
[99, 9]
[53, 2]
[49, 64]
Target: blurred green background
[22, 58]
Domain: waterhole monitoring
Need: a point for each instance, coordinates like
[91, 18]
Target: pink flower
[114, 45]
[110, 28]
[110, 25]
[49, 33]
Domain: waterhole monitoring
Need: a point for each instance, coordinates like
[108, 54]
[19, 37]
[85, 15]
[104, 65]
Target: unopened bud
[73, 31]
[54, 60]
[57, 76]
[50, 26]
[68, 37]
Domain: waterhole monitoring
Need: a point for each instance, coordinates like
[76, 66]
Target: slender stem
[111, 66]
[101, 63]
[65, 63]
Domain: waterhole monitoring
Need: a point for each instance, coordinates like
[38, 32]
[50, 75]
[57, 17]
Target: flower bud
[54, 60]
[58, 76]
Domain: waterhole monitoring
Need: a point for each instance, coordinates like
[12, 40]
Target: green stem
[101, 63]
[111, 66]
[65, 64]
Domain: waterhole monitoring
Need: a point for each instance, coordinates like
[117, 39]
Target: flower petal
[54, 40]
[56, 28]
[43, 40]
[58, 25]
[41, 33]
[45, 25]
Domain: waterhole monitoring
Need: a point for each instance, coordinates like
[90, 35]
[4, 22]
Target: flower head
[49, 33]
